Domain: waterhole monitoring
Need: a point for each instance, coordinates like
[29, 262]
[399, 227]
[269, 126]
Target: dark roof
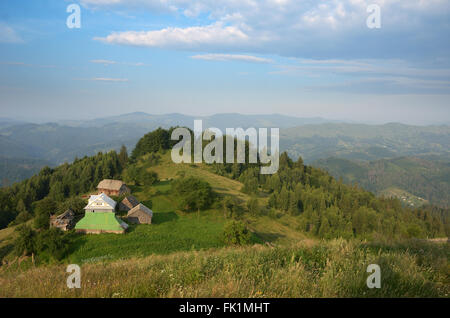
[68, 214]
[130, 201]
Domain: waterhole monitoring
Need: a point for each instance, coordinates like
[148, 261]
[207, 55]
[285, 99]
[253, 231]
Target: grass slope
[307, 269]
[183, 255]
[173, 230]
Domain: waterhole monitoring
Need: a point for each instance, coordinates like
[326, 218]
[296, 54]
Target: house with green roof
[100, 217]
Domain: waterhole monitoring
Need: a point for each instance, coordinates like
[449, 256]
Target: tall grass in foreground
[309, 269]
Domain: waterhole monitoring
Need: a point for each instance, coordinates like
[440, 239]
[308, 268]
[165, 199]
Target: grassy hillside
[170, 231]
[413, 180]
[283, 229]
[334, 268]
[184, 253]
[174, 230]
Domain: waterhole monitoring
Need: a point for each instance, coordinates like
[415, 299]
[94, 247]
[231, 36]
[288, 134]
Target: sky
[300, 58]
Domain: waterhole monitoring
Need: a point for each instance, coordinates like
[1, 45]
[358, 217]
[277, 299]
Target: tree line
[18, 202]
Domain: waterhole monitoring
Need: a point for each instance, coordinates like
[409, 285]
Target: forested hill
[322, 206]
[415, 180]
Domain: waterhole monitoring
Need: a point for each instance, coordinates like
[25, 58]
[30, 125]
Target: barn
[140, 214]
[128, 203]
[113, 187]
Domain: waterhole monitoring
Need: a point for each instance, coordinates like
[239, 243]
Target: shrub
[232, 207]
[193, 193]
[25, 242]
[236, 233]
[140, 176]
[253, 207]
[76, 204]
[54, 242]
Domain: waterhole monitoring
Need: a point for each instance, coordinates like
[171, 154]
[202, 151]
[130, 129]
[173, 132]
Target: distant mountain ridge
[222, 121]
[61, 142]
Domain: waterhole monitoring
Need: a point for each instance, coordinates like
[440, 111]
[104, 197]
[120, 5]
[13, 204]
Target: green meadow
[310, 268]
[170, 231]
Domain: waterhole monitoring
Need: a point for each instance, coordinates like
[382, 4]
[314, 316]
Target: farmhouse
[100, 217]
[100, 203]
[63, 221]
[128, 203]
[113, 187]
[140, 214]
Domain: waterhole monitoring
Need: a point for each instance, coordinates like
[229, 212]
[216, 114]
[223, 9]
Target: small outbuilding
[128, 203]
[113, 187]
[63, 221]
[140, 214]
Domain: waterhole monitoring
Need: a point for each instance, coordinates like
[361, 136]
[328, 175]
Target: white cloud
[9, 35]
[109, 62]
[302, 28]
[104, 62]
[232, 57]
[180, 38]
[148, 4]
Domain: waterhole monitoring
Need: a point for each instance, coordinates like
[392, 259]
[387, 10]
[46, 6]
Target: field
[308, 268]
[170, 231]
[168, 234]
[404, 196]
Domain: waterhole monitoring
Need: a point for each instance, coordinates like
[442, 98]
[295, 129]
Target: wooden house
[100, 203]
[100, 217]
[128, 203]
[140, 214]
[63, 221]
[113, 187]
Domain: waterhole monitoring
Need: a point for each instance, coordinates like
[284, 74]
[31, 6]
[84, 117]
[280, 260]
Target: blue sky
[300, 58]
